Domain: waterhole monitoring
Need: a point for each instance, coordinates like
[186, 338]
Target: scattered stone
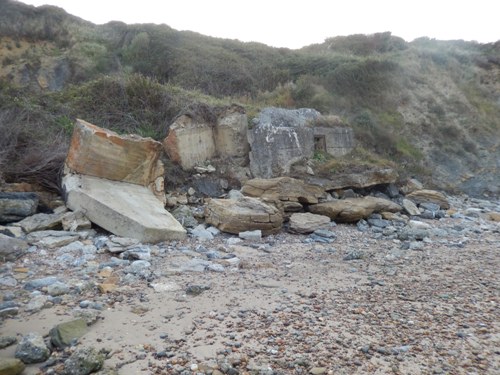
[354, 255]
[11, 366]
[354, 209]
[411, 185]
[39, 222]
[75, 221]
[16, 206]
[66, 334]
[11, 248]
[244, 214]
[6, 341]
[58, 289]
[410, 207]
[84, 361]
[196, 290]
[429, 196]
[201, 233]
[37, 303]
[185, 216]
[251, 235]
[139, 252]
[40, 283]
[285, 189]
[307, 222]
[32, 349]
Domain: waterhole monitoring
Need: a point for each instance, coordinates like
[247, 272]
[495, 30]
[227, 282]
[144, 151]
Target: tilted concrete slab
[124, 209]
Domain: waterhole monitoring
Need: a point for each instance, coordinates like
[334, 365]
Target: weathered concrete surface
[99, 152]
[230, 133]
[354, 209]
[124, 209]
[338, 140]
[243, 214]
[285, 189]
[189, 142]
[280, 138]
[16, 206]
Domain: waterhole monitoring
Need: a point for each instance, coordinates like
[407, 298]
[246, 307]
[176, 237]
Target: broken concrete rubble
[122, 208]
[117, 183]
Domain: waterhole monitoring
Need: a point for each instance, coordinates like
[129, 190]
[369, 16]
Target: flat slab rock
[354, 209]
[16, 206]
[286, 189]
[244, 214]
[124, 209]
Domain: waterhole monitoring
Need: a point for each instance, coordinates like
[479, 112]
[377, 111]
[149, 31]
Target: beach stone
[354, 209]
[83, 361]
[11, 366]
[66, 334]
[32, 349]
[429, 196]
[40, 283]
[36, 303]
[6, 341]
[42, 221]
[308, 222]
[58, 289]
[75, 221]
[11, 248]
[251, 235]
[15, 206]
[185, 216]
[410, 207]
[244, 214]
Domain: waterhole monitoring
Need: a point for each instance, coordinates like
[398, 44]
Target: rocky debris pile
[293, 285]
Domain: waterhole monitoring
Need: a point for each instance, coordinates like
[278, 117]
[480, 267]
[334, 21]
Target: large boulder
[243, 214]
[99, 152]
[429, 196]
[354, 209]
[122, 208]
[286, 189]
[358, 180]
[306, 222]
[16, 206]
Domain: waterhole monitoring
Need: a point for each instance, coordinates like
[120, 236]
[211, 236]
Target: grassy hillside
[432, 107]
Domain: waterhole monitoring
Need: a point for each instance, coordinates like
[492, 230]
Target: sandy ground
[293, 307]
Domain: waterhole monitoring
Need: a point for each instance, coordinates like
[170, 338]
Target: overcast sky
[294, 24]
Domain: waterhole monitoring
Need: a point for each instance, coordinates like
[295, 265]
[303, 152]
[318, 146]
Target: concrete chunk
[99, 152]
[122, 208]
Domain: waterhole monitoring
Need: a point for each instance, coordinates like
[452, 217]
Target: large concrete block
[189, 142]
[129, 158]
[230, 133]
[279, 139]
[124, 209]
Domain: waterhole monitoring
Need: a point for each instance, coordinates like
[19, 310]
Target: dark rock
[11, 248]
[84, 361]
[32, 349]
[16, 206]
[6, 341]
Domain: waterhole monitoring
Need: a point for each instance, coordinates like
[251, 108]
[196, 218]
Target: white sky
[294, 24]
